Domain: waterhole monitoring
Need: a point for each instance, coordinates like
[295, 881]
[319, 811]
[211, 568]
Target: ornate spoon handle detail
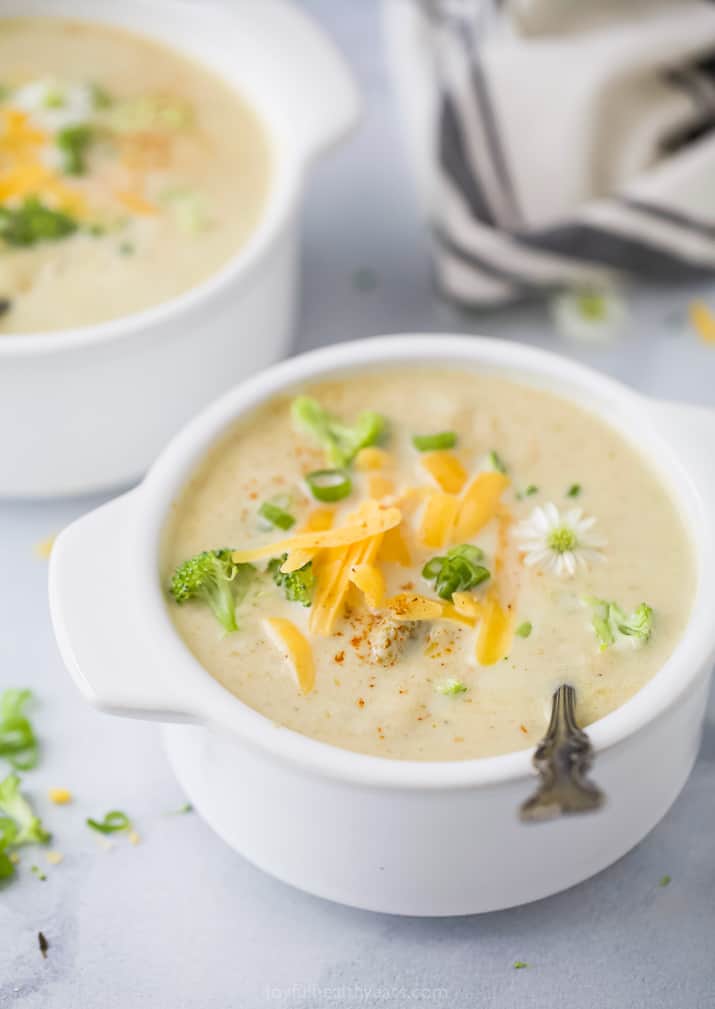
[563, 759]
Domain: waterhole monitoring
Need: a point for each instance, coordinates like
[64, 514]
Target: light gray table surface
[179, 920]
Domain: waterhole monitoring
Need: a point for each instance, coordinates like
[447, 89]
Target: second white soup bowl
[89, 408]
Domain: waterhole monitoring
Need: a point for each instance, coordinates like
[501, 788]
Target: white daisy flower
[559, 543]
[589, 316]
[54, 105]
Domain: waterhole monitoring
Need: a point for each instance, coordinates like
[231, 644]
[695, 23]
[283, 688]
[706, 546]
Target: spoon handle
[562, 758]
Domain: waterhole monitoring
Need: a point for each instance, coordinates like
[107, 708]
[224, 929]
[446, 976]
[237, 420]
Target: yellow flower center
[562, 539]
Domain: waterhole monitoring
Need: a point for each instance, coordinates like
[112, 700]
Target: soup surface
[434, 608]
[128, 173]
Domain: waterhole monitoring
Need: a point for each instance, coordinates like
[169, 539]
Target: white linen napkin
[560, 144]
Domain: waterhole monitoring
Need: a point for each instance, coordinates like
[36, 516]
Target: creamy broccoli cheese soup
[409, 563]
[128, 173]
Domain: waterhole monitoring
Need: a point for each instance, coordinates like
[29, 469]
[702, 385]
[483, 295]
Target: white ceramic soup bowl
[404, 837]
[90, 408]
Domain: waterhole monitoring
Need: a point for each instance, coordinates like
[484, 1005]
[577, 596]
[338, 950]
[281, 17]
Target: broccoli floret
[215, 579]
[611, 623]
[297, 585]
[16, 808]
[341, 442]
[34, 222]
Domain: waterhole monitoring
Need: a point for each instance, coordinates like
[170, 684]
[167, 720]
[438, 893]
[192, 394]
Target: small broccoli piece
[34, 222]
[496, 462]
[638, 624]
[214, 578]
[341, 442]
[15, 807]
[458, 571]
[612, 624]
[297, 585]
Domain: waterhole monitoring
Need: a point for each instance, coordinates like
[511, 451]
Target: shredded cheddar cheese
[319, 520]
[60, 796]
[298, 651]
[43, 548]
[412, 606]
[438, 519]
[495, 630]
[478, 505]
[394, 549]
[371, 582]
[23, 172]
[296, 559]
[380, 486]
[135, 203]
[467, 605]
[703, 321]
[446, 470]
[374, 522]
[372, 458]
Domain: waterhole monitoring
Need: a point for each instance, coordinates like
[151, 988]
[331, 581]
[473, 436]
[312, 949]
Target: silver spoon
[563, 759]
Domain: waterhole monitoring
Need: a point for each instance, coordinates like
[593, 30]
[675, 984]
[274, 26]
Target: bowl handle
[690, 430]
[91, 616]
[319, 96]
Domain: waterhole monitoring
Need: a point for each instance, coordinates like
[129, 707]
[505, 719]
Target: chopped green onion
[297, 585]
[451, 687]
[524, 630]
[37, 871]
[329, 484]
[574, 490]
[664, 881]
[18, 824]
[531, 489]
[434, 442]
[340, 441]
[17, 737]
[520, 964]
[275, 515]
[496, 462]
[113, 821]
[24, 827]
[101, 98]
[458, 571]
[74, 143]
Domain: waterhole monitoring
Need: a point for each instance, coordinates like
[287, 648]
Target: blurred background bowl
[88, 409]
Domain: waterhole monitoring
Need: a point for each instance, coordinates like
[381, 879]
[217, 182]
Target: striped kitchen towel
[560, 144]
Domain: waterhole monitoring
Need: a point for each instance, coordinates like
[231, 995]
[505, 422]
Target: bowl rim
[280, 200]
[217, 708]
